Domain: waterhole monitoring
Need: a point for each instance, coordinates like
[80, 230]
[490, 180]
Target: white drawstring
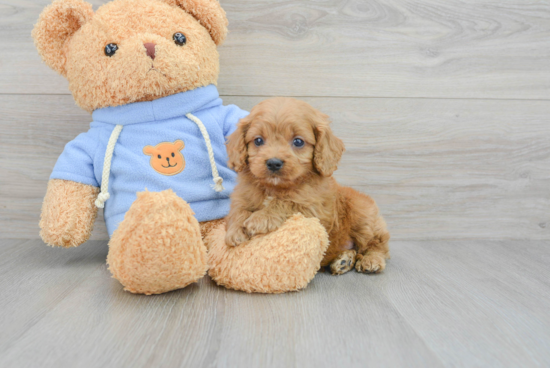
[104, 195]
[218, 187]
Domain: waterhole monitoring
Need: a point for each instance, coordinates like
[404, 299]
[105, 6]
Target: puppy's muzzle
[274, 164]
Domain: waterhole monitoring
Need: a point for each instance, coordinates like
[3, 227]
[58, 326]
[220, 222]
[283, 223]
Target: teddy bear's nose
[150, 47]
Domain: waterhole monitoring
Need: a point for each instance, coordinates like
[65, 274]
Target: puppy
[285, 154]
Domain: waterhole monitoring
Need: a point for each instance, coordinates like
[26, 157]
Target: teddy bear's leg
[158, 246]
[284, 260]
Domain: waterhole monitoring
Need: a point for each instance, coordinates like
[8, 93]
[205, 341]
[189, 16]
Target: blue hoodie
[150, 124]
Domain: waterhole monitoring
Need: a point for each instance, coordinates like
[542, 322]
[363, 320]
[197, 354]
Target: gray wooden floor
[439, 303]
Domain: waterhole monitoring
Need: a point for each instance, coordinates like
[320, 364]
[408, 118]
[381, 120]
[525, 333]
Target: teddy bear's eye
[159, 156]
[173, 154]
[179, 39]
[110, 49]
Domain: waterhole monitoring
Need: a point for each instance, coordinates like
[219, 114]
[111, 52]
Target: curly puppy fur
[264, 199]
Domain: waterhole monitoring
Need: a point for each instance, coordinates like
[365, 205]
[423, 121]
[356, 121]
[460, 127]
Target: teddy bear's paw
[262, 223]
[370, 263]
[158, 247]
[343, 263]
[68, 213]
[235, 236]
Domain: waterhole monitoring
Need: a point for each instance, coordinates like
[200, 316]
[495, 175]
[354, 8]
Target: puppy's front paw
[258, 223]
[235, 236]
[370, 263]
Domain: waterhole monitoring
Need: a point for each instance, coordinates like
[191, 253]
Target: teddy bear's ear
[149, 150]
[179, 144]
[56, 25]
[209, 13]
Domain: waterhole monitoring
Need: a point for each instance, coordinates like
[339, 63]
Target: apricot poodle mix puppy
[285, 154]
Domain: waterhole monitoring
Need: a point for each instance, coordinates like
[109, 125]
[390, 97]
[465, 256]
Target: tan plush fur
[71, 39]
[68, 213]
[158, 247]
[285, 260]
[263, 200]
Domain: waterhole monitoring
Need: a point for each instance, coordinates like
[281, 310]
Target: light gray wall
[444, 106]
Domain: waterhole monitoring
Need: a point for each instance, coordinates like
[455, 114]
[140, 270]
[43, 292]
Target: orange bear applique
[166, 157]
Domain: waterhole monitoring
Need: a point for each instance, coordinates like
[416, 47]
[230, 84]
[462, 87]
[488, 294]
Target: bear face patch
[166, 157]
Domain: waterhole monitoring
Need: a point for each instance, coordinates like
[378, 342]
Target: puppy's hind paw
[236, 236]
[370, 263]
[343, 263]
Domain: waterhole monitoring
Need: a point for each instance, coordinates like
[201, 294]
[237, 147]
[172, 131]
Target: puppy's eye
[110, 49]
[298, 142]
[179, 38]
[259, 141]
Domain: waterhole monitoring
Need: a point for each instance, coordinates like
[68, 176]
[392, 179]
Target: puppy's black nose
[274, 164]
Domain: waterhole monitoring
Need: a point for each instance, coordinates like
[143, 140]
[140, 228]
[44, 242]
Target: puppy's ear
[56, 26]
[209, 13]
[237, 149]
[328, 148]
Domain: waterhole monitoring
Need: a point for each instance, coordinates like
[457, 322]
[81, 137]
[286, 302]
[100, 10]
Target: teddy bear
[154, 158]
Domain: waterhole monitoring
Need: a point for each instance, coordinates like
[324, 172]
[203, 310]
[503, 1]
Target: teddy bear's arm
[68, 213]
[232, 115]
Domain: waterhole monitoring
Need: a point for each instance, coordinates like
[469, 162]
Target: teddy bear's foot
[284, 260]
[158, 247]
